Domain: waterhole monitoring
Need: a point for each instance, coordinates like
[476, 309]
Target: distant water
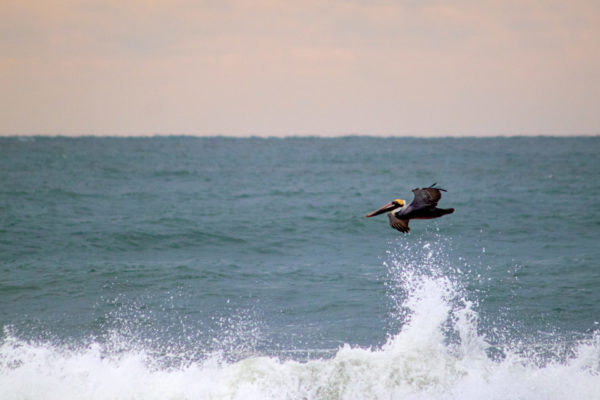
[219, 268]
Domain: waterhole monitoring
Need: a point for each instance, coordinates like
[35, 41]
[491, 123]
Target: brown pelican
[423, 206]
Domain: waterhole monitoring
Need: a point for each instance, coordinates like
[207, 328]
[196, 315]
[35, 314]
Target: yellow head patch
[400, 202]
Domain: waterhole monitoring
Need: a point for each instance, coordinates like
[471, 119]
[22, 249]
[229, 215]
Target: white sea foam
[437, 354]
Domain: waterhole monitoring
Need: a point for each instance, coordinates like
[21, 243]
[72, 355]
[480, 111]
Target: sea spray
[438, 352]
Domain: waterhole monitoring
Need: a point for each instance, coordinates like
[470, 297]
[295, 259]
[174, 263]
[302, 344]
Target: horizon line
[266, 136]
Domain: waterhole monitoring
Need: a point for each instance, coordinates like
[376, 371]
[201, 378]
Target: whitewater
[439, 353]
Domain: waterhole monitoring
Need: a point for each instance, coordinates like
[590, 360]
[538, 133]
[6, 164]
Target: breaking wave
[438, 352]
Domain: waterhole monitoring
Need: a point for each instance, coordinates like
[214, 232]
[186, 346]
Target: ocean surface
[222, 268]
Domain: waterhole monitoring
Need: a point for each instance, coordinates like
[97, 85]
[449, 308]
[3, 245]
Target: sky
[306, 67]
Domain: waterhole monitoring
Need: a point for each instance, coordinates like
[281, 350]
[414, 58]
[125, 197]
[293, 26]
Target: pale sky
[306, 67]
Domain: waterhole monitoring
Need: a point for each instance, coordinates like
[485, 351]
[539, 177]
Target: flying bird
[423, 206]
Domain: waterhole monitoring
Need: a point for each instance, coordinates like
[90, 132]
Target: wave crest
[437, 353]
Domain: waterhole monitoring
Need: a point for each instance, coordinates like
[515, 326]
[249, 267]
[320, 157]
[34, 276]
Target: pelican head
[398, 203]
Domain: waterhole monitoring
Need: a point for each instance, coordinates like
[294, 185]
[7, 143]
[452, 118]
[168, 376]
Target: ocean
[244, 268]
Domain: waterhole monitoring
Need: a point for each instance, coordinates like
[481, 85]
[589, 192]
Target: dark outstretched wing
[426, 197]
[398, 224]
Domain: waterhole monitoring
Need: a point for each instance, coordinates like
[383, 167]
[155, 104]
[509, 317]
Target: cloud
[310, 67]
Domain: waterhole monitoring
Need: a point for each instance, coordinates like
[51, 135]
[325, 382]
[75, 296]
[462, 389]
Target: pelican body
[423, 206]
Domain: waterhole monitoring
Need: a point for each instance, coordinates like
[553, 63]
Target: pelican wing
[398, 224]
[426, 197]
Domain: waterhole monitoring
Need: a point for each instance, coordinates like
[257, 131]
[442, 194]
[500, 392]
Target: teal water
[258, 251]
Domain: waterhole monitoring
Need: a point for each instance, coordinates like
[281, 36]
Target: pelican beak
[388, 207]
